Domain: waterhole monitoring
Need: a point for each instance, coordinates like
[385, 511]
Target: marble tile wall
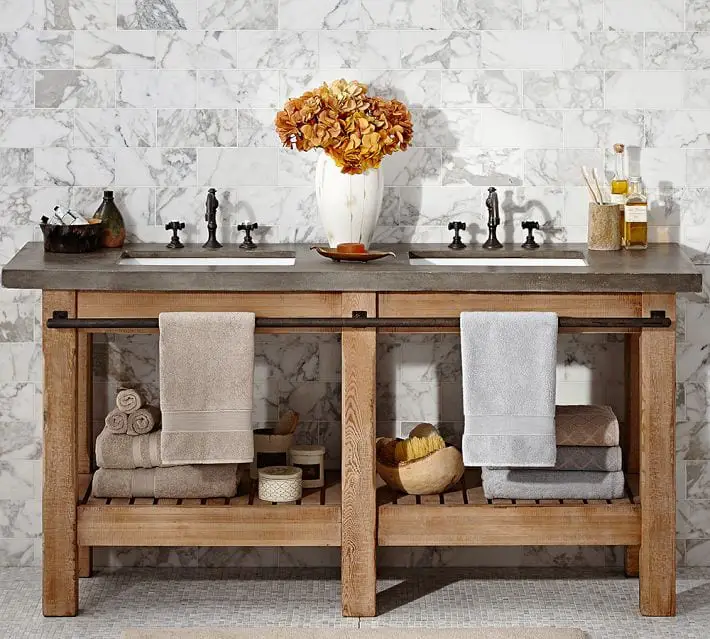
[159, 99]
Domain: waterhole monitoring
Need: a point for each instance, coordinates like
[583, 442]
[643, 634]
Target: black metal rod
[656, 321]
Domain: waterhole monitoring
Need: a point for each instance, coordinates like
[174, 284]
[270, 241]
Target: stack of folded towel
[129, 458]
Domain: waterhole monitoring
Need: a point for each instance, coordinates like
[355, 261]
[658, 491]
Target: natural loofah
[422, 441]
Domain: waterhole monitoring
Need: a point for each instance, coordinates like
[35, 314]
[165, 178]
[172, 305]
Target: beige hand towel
[586, 426]
[178, 482]
[128, 400]
[117, 422]
[206, 387]
[123, 452]
[143, 421]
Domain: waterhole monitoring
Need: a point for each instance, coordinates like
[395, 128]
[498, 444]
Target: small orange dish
[351, 248]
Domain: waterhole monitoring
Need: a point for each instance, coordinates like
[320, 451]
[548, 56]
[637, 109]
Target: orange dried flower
[354, 129]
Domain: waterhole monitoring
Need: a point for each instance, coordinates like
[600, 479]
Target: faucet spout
[493, 220]
[211, 206]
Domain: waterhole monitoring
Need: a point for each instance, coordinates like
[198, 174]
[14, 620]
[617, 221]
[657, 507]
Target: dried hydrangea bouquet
[356, 131]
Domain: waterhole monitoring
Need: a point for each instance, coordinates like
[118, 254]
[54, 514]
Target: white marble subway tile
[677, 51]
[695, 231]
[329, 358]
[425, 401]
[20, 519]
[437, 206]
[309, 557]
[678, 129]
[663, 168]
[16, 88]
[228, 557]
[521, 49]
[156, 167]
[413, 167]
[21, 440]
[160, 14]
[22, 362]
[37, 49]
[17, 402]
[400, 14]
[197, 127]
[283, 206]
[440, 49]
[564, 556]
[697, 328]
[449, 128]
[188, 205]
[595, 128]
[358, 49]
[77, 14]
[17, 553]
[481, 14]
[313, 234]
[664, 208]
[697, 553]
[483, 167]
[35, 128]
[313, 401]
[525, 128]
[196, 49]
[237, 167]
[16, 169]
[256, 128]
[17, 315]
[698, 479]
[17, 479]
[19, 14]
[24, 206]
[137, 204]
[114, 49]
[156, 88]
[697, 90]
[542, 204]
[146, 557]
[576, 211]
[502, 89]
[409, 235]
[603, 50]
[691, 362]
[693, 440]
[238, 89]
[644, 15]
[697, 15]
[296, 168]
[319, 14]
[431, 359]
[74, 167]
[13, 238]
[696, 404]
[545, 167]
[643, 90]
[246, 14]
[278, 49]
[114, 127]
[567, 15]
[416, 87]
[286, 357]
[698, 164]
[563, 89]
[95, 88]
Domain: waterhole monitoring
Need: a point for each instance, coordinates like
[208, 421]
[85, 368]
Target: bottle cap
[108, 195]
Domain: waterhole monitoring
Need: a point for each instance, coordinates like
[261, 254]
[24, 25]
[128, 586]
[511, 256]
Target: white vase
[349, 205]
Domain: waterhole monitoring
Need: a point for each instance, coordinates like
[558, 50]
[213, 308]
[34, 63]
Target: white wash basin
[207, 261]
[496, 261]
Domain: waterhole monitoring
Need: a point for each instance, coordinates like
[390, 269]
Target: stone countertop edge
[662, 268]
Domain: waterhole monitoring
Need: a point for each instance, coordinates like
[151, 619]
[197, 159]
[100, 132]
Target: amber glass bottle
[636, 217]
[114, 229]
[619, 186]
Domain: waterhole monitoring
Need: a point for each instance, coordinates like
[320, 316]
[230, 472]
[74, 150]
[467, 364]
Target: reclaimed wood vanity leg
[631, 441]
[60, 586]
[657, 362]
[359, 511]
[84, 428]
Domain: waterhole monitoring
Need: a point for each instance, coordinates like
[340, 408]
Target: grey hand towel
[128, 400]
[206, 387]
[123, 452]
[143, 421]
[595, 458]
[586, 426]
[509, 366]
[178, 482]
[117, 422]
[536, 483]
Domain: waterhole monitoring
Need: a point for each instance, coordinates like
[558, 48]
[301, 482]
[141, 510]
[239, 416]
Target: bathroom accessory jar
[269, 450]
[310, 460]
[280, 484]
[604, 227]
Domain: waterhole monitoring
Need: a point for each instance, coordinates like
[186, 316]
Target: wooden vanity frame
[354, 514]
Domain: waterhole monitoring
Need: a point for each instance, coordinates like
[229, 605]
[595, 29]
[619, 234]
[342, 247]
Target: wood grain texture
[84, 417]
[657, 363]
[60, 587]
[359, 511]
[630, 441]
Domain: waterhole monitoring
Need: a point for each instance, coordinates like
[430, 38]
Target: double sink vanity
[423, 289]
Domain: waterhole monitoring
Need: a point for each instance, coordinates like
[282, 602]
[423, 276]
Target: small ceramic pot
[278, 484]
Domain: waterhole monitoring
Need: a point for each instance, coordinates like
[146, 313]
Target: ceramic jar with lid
[310, 460]
[279, 484]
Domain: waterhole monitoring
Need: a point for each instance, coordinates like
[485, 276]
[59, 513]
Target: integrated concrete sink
[513, 259]
[190, 256]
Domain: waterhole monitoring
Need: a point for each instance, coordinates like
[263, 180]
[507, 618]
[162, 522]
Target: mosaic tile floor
[603, 604]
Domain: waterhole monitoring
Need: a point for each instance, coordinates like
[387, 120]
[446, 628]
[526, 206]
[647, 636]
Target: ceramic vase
[349, 205]
[114, 229]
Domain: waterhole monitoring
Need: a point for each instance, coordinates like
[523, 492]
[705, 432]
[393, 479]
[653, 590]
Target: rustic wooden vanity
[623, 292]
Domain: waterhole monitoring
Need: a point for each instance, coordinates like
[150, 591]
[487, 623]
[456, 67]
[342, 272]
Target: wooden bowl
[428, 475]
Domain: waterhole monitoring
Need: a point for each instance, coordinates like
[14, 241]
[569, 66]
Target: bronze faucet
[211, 218]
[493, 220]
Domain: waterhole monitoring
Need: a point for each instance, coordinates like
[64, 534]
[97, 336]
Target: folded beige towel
[178, 482]
[586, 426]
[206, 386]
[117, 422]
[128, 400]
[143, 421]
[124, 452]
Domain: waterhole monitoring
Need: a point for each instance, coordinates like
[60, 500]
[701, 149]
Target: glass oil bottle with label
[619, 186]
[635, 216]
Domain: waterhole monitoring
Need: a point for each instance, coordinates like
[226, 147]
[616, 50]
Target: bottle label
[618, 198]
[636, 213]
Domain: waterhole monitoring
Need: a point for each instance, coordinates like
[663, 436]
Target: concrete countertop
[662, 268]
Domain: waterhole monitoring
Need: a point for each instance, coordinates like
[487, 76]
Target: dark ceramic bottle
[114, 230]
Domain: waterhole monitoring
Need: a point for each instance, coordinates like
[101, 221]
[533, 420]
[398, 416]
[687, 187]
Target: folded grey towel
[117, 422]
[596, 458]
[509, 366]
[206, 392]
[536, 483]
[143, 421]
[128, 400]
[124, 452]
[178, 482]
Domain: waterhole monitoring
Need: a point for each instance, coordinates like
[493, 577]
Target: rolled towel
[143, 421]
[177, 482]
[586, 426]
[127, 453]
[536, 483]
[128, 400]
[596, 458]
[117, 422]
